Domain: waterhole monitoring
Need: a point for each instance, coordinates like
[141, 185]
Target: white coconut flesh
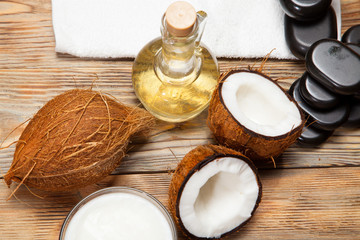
[219, 197]
[259, 104]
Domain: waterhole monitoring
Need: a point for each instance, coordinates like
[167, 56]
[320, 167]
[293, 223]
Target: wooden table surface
[314, 193]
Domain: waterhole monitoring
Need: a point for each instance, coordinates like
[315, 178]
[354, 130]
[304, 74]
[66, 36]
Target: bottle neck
[177, 62]
[178, 56]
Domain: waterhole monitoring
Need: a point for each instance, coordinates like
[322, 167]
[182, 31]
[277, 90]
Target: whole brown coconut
[76, 139]
[214, 191]
[238, 132]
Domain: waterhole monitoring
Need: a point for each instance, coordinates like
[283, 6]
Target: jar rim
[119, 189]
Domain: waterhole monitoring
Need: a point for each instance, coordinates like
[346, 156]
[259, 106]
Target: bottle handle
[201, 17]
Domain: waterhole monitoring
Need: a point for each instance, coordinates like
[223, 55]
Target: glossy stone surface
[312, 136]
[354, 47]
[305, 10]
[316, 95]
[353, 120]
[352, 35]
[300, 36]
[335, 66]
[327, 120]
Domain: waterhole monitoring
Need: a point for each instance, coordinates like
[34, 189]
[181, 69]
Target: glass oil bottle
[174, 75]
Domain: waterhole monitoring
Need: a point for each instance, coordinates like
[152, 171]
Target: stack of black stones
[329, 91]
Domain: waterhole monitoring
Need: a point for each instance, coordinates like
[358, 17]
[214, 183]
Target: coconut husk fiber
[229, 132]
[75, 140]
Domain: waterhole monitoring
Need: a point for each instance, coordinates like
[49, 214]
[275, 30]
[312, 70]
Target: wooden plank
[297, 204]
[168, 143]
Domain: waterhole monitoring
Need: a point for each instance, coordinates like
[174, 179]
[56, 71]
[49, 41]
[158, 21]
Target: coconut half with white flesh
[251, 113]
[213, 192]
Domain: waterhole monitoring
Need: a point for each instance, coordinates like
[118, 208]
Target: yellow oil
[173, 102]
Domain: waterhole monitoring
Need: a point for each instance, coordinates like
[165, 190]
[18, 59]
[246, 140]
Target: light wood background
[314, 193]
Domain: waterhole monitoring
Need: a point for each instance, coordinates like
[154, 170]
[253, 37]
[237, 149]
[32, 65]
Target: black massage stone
[312, 136]
[305, 10]
[300, 36]
[327, 120]
[316, 95]
[353, 120]
[352, 35]
[335, 66]
[357, 96]
[354, 47]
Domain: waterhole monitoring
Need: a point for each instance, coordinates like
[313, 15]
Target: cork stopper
[180, 18]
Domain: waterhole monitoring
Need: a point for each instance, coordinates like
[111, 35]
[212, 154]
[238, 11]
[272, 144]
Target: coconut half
[213, 192]
[251, 113]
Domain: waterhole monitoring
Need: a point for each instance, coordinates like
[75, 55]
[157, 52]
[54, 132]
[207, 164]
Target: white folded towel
[120, 28]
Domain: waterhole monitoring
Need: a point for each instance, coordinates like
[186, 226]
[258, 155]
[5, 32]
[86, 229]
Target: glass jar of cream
[119, 213]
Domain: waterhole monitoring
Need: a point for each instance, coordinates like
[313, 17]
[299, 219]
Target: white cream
[119, 216]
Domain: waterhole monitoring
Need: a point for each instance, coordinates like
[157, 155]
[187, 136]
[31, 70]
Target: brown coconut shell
[76, 139]
[192, 162]
[231, 133]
